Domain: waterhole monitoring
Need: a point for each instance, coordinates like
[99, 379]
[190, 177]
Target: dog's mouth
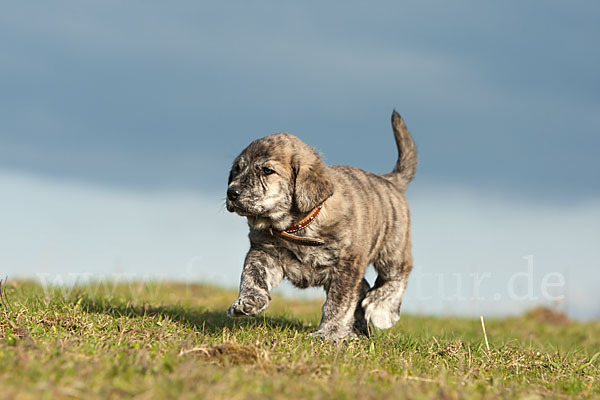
[243, 211]
[238, 209]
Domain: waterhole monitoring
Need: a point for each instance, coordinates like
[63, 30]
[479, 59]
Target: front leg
[260, 275]
[343, 295]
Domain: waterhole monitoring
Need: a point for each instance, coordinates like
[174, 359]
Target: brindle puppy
[350, 218]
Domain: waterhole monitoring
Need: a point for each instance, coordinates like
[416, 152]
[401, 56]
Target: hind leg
[382, 303]
[360, 323]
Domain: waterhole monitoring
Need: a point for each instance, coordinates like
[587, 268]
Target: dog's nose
[233, 194]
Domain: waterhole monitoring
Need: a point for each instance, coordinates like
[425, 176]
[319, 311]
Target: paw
[333, 335]
[362, 327]
[248, 305]
[360, 323]
[379, 313]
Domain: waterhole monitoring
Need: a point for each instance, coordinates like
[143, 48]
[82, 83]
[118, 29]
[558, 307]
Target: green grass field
[172, 340]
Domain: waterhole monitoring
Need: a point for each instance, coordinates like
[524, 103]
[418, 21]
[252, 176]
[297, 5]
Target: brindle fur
[364, 220]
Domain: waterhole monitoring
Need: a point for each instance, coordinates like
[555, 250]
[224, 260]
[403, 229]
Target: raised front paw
[248, 305]
[379, 311]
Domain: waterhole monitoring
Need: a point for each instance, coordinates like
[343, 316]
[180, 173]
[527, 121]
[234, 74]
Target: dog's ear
[312, 184]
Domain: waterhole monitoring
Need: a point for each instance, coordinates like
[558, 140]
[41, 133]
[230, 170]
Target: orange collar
[288, 234]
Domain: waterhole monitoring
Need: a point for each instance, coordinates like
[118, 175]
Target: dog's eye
[267, 171]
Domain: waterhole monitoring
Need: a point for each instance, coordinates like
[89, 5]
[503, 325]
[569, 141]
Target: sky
[119, 121]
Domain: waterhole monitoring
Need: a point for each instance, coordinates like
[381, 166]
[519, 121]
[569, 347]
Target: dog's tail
[407, 154]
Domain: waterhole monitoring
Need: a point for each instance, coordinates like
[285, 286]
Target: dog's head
[274, 178]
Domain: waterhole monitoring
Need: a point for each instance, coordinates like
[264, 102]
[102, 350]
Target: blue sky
[145, 104]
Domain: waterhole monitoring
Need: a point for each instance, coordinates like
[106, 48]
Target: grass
[173, 340]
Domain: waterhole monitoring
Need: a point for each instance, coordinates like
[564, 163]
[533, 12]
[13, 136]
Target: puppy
[319, 225]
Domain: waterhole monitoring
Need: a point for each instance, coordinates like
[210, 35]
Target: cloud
[474, 253]
[493, 85]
